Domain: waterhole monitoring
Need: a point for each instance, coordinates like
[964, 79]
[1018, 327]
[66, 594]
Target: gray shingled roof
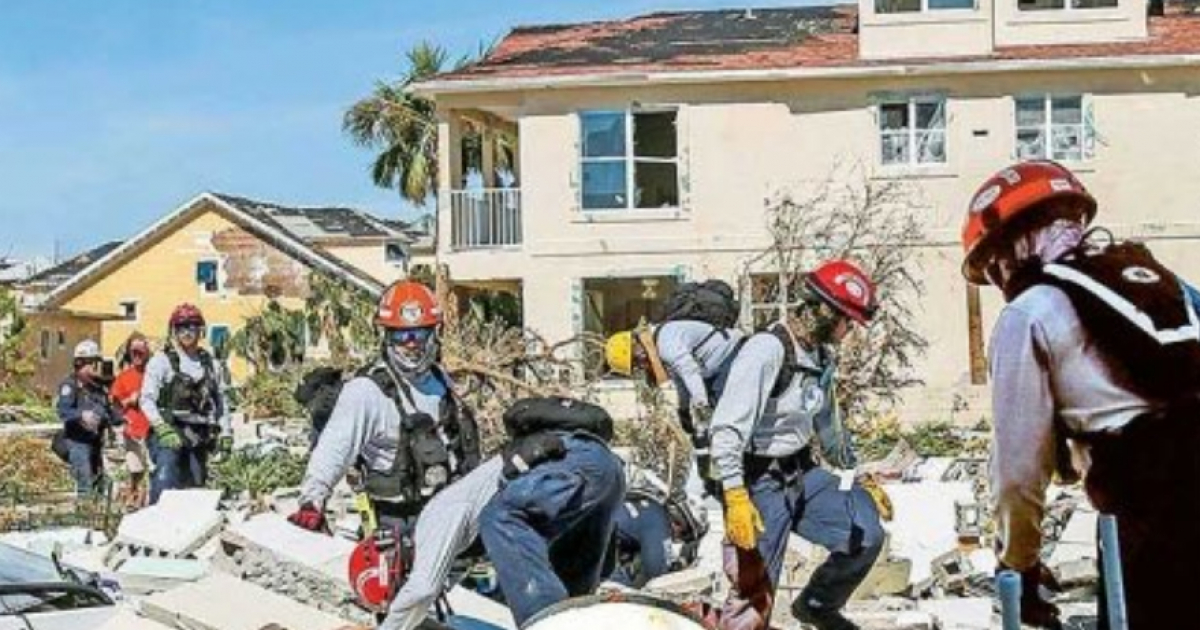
[65, 270]
[319, 222]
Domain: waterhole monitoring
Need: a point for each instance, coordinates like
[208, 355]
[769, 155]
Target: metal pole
[1114, 582]
[1009, 585]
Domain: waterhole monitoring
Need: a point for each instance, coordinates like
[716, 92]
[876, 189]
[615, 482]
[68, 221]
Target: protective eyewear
[405, 336]
[190, 329]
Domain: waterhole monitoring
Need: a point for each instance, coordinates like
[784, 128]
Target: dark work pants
[547, 531]
[643, 535]
[177, 468]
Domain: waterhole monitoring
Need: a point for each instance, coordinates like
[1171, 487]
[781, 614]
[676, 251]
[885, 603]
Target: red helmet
[408, 304]
[1008, 195]
[185, 314]
[845, 287]
[376, 572]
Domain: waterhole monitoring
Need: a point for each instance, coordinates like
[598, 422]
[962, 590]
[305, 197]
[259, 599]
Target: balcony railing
[486, 218]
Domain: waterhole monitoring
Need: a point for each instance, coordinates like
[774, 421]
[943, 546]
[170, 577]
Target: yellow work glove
[883, 502]
[743, 523]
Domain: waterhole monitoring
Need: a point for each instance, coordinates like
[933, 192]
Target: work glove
[167, 436]
[524, 453]
[1038, 611]
[743, 523]
[308, 517]
[883, 503]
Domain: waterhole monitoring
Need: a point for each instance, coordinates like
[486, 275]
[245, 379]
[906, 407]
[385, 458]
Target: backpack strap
[788, 370]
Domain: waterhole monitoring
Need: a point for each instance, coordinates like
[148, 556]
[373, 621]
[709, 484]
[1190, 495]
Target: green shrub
[259, 475]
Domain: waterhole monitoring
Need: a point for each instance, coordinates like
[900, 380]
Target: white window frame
[911, 131]
[137, 309]
[925, 8]
[1086, 148]
[1068, 6]
[631, 160]
[203, 289]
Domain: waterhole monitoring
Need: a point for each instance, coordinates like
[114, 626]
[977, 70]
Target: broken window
[393, 253]
[611, 305]
[206, 276]
[915, 6]
[913, 131]
[129, 310]
[218, 336]
[62, 339]
[772, 295]
[1052, 127]
[44, 345]
[630, 160]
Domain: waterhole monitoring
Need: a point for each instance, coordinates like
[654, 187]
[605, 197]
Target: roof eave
[448, 87]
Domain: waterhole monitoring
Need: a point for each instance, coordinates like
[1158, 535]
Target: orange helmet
[845, 287]
[1008, 195]
[408, 304]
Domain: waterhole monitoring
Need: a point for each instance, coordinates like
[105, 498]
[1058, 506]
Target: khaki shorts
[137, 456]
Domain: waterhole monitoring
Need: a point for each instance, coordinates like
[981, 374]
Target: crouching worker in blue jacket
[548, 529]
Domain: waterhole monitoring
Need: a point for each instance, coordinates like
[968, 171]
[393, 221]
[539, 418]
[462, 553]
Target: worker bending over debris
[1095, 366]
[779, 399]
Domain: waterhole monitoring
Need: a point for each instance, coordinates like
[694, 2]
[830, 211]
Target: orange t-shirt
[125, 391]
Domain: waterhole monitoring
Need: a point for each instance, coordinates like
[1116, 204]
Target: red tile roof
[766, 39]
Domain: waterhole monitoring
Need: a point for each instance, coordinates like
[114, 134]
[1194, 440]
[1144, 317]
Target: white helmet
[87, 349]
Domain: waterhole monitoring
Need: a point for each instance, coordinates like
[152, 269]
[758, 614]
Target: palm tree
[403, 126]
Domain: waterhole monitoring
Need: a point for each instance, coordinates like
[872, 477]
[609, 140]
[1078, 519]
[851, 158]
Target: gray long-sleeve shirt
[1043, 365]
[365, 423]
[159, 374]
[446, 528]
[747, 418]
[693, 352]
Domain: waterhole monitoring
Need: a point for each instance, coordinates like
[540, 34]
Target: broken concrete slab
[179, 524]
[970, 613]
[143, 576]
[127, 619]
[223, 602]
[328, 554]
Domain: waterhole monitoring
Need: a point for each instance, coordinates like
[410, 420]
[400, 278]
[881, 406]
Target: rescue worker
[126, 395]
[779, 399]
[1097, 345]
[84, 409]
[399, 422]
[694, 355]
[657, 530]
[182, 397]
[547, 530]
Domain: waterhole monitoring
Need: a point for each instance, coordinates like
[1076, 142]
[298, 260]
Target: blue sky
[113, 113]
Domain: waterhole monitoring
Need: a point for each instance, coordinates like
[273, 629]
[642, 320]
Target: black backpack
[318, 393]
[530, 416]
[710, 301]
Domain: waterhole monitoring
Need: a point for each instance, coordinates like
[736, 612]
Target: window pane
[654, 135]
[1039, 5]
[1093, 4]
[897, 6]
[603, 134]
[1067, 142]
[893, 116]
[1031, 112]
[894, 149]
[929, 116]
[1030, 144]
[951, 4]
[603, 185]
[931, 147]
[1066, 110]
[656, 184]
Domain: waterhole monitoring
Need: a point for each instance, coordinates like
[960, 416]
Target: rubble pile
[199, 559]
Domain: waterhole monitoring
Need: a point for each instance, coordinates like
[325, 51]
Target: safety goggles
[190, 329]
[407, 336]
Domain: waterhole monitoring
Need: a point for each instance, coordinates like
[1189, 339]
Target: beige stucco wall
[369, 257]
[1126, 21]
[741, 143]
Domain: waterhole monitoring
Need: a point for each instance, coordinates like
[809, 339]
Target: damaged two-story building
[646, 148]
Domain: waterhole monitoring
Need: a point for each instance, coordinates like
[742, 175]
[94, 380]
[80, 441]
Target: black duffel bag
[529, 416]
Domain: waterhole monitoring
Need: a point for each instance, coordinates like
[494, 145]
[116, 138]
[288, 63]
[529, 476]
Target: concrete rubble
[197, 562]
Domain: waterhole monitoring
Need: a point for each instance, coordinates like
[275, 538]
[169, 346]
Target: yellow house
[647, 146]
[227, 255]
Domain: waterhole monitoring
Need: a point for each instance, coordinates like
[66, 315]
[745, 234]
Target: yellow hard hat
[618, 352]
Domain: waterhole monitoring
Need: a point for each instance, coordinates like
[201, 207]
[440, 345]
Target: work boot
[820, 618]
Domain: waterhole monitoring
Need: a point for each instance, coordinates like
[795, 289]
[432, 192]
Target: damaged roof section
[315, 224]
[672, 40]
[60, 273]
